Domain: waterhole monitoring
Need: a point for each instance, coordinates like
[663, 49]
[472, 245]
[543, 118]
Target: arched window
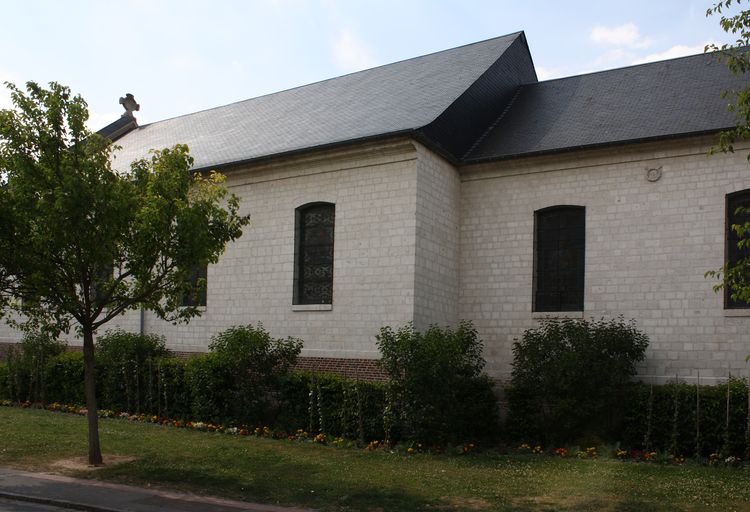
[734, 253]
[313, 256]
[559, 254]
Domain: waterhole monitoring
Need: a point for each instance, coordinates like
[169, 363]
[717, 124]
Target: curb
[57, 503]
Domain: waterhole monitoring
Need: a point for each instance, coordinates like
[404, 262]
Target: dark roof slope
[396, 98]
[117, 129]
[649, 101]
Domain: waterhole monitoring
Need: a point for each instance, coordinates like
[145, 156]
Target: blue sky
[178, 57]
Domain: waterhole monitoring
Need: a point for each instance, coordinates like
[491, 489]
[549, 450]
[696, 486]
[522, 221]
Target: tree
[81, 243]
[735, 276]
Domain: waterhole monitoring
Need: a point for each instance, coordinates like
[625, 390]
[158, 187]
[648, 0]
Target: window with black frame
[197, 293]
[313, 265]
[559, 255]
[734, 253]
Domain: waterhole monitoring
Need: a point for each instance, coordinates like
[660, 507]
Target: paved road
[44, 492]
[25, 506]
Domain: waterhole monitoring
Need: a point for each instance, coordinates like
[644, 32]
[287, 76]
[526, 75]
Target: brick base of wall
[362, 369]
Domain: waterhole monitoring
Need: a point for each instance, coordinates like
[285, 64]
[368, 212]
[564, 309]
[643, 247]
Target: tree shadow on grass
[305, 487]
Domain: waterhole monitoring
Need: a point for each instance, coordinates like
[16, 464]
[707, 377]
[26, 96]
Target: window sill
[312, 307]
[737, 312]
[556, 314]
[202, 309]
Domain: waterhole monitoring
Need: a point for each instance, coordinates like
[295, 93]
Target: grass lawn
[328, 478]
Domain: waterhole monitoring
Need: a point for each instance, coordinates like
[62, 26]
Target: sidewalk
[93, 496]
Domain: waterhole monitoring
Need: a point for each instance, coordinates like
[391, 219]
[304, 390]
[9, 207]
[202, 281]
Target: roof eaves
[299, 151]
[570, 149]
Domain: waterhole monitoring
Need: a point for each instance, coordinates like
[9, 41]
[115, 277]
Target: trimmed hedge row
[437, 391]
[688, 420]
[198, 389]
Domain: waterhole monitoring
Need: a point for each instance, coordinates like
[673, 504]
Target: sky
[178, 57]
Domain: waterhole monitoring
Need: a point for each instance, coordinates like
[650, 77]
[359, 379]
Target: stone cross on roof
[129, 104]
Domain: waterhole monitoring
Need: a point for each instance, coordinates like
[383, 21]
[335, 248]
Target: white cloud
[622, 35]
[351, 54]
[679, 50]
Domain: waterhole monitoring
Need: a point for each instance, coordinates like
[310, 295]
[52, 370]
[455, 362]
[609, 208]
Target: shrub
[666, 418]
[334, 405]
[169, 384]
[569, 378]
[245, 366]
[64, 378]
[437, 392]
[210, 385]
[118, 346]
[125, 370]
[5, 390]
[26, 364]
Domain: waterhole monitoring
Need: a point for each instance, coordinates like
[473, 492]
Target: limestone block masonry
[648, 245]
[373, 188]
[418, 240]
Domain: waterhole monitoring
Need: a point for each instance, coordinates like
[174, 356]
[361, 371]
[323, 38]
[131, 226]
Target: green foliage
[438, 391]
[251, 363]
[5, 387]
[333, 405]
[569, 377]
[26, 366]
[737, 57]
[81, 243]
[119, 346]
[64, 378]
[674, 425]
[735, 277]
[126, 370]
[210, 385]
[251, 349]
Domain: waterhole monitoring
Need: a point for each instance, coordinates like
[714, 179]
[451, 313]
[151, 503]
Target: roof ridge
[712, 55]
[494, 123]
[324, 80]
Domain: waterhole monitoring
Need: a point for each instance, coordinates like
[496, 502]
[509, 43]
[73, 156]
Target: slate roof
[649, 101]
[396, 98]
[471, 104]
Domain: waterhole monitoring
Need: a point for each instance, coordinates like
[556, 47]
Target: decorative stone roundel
[653, 174]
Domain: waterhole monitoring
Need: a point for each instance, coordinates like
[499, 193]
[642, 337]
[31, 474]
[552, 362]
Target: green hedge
[570, 377]
[686, 419]
[438, 391]
[204, 388]
[331, 404]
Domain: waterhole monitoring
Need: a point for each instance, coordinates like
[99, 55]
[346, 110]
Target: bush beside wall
[438, 392]
[570, 377]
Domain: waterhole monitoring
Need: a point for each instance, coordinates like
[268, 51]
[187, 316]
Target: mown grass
[328, 478]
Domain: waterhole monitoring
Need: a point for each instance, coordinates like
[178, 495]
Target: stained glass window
[314, 235]
[559, 251]
[197, 293]
[734, 253]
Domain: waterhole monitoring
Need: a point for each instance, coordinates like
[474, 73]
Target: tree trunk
[89, 377]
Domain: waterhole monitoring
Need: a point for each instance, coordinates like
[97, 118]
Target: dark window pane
[734, 253]
[559, 252]
[197, 293]
[314, 236]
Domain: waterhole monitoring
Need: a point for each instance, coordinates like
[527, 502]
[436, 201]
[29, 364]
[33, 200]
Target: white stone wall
[437, 251]
[648, 245]
[130, 321]
[374, 190]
